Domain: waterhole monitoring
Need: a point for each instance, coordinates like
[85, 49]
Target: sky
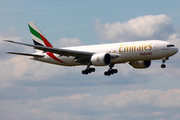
[32, 90]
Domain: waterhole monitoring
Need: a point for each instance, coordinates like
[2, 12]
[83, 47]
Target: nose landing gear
[163, 61]
[163, 66]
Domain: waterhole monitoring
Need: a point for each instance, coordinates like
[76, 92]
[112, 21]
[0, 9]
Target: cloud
[34, 73]
[22, 68]
[36, 90]
[143, 28]
[175, 39]
[66, 42]
[14, 68]
[4, 47]
[142, 103]
[10, 34]
[140, 28]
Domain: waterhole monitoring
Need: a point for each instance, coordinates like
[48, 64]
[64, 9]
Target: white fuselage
[127, 51]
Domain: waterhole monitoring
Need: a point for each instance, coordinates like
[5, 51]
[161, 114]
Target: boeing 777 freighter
[138, 54]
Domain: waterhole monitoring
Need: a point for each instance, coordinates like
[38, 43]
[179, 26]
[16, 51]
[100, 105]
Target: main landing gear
[88, 70]
[106, 73]
[110, 71]
[163, 61]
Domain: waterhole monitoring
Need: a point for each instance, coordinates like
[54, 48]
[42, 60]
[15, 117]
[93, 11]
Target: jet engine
[101, 59]
[140, 64]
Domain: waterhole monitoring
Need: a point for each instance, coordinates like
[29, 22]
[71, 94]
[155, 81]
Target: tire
[163, 66]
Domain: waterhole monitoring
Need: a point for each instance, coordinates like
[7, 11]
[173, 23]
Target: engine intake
[101, 59]
[140, 64]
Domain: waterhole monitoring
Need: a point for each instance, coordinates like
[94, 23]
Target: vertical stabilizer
[37, 36]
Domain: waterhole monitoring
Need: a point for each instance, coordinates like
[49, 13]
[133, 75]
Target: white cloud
[140, 28]
[15, 67]
[27, 78]
[66, 42]
[21, 67]
[175, 39]
[4, 47]
[7, 47]
[9, 33]
[81, 106]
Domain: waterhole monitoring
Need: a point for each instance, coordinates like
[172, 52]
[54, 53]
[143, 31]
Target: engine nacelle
[101, 59]
[140, 64]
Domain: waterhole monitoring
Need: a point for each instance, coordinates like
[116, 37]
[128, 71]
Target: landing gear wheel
[92, 69]
[110, 71]
[163, 66]
[84, 72]
[115, 71]
[88, 70]
[107, 73]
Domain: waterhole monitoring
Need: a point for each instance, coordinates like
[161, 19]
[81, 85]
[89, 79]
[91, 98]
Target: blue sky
[69, 18]
[34, 90]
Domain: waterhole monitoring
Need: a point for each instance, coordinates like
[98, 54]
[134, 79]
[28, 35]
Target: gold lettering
[150, 46]
[145, 47]
[130, 48]
[142, 48]
[139, 48]
[125, 49]
[135, 48]
[120, 49]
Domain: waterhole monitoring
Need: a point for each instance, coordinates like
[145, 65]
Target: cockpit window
[170, 45]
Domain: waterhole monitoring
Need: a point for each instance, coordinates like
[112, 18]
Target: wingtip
[8, 40]
[8, 52]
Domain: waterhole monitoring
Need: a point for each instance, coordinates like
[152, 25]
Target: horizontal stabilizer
[26, 54]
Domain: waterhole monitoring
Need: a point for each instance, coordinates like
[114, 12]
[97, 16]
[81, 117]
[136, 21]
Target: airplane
[138, 54]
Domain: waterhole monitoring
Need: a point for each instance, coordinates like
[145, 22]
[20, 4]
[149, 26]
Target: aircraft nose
[172, 51]
[175, 50]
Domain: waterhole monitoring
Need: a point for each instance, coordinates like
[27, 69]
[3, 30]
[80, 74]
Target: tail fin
[37, 36]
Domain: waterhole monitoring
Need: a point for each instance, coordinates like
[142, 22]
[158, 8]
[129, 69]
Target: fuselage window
[170, 46]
